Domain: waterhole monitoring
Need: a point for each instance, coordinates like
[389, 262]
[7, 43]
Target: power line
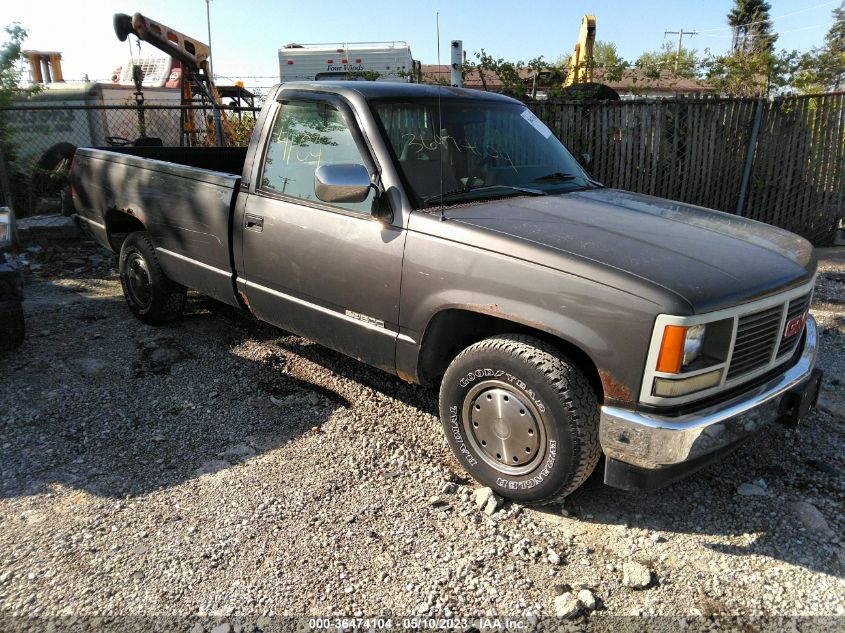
[803, 28]
[777, 17]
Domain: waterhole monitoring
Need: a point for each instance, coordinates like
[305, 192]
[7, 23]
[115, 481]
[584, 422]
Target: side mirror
[342, 183]
[586, 160]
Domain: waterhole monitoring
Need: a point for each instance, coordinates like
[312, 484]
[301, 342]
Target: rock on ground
[635, 575]
[811, 518]
[567, 605]
[750, 490]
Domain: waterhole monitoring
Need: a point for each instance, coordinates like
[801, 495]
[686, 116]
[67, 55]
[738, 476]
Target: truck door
[330, 272]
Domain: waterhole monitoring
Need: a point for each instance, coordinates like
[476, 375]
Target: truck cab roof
[388, 90]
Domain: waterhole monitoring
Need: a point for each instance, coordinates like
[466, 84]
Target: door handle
[253, 222]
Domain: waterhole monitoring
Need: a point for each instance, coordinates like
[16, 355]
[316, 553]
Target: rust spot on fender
[613, 389]
[244, 299]
[404, 376]
[492, 309]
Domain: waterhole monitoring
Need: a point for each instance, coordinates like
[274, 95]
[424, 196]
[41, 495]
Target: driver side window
[307, 134]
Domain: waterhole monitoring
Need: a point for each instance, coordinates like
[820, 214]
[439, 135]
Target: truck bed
[183, 196]
[229, 160]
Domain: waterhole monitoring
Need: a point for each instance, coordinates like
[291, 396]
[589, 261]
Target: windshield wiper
[556, 176]
[458, 193]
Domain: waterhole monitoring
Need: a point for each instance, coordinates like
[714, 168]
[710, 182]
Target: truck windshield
[484, 150]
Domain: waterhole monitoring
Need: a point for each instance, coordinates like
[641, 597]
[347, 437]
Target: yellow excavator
[195, 77]
[578, 83]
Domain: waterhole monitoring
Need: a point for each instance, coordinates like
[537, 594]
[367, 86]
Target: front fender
[610, 326]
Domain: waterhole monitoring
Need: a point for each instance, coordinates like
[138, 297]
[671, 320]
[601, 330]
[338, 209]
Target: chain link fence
[41, 139]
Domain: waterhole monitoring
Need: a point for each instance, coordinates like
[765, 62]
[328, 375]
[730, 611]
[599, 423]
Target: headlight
[693, 343]
[681, 345]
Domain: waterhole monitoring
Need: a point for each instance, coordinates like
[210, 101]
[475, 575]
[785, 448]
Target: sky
[246, 34]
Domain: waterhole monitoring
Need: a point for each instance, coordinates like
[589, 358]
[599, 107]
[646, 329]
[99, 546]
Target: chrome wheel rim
[504, 427]
[138, 280]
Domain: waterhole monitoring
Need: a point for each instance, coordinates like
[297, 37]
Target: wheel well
[119, 225]
[452, 331]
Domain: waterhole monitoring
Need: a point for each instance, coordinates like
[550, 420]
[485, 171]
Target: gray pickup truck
[448, 237]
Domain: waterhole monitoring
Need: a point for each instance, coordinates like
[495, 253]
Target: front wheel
[521, 418]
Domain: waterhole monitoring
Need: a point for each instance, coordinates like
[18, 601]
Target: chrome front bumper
[653, 442]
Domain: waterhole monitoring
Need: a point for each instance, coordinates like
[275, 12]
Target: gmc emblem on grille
[794, 326]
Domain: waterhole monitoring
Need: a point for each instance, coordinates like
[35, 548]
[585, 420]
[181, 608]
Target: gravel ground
[218, 468]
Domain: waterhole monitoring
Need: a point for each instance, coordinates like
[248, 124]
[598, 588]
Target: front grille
[756, 337]
[755, 332]
[797, 307]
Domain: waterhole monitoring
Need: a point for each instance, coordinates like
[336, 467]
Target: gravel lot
[218, 468]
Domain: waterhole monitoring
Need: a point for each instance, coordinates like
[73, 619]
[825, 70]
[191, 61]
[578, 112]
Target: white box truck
[380, 61]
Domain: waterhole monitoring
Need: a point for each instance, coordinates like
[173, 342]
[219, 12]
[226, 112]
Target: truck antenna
[438, 138]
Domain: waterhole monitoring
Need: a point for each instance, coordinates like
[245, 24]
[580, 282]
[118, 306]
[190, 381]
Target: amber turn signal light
[672, 349]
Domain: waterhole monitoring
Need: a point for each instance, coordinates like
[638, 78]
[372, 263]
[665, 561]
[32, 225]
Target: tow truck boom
[193, 56]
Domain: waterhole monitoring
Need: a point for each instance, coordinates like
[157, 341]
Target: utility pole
[680, 33]
[208, 22]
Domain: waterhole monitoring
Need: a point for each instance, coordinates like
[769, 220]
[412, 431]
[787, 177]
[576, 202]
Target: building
[633, 84]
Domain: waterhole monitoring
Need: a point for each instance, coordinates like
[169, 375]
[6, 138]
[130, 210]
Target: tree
[10, 76]
[507, 72]
[667, 59]
[752, 26]
[606, 57]
[831, 57]
[752, 68]
[10, 55]
[823, 68]
[750, 74]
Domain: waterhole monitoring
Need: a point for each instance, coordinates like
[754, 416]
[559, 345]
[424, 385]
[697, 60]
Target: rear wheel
[521, 418]
[150, 295]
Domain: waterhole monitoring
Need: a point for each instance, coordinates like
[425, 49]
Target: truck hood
[708, 258]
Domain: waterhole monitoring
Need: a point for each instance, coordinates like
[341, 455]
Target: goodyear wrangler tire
[521, 418]
[150, 295]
